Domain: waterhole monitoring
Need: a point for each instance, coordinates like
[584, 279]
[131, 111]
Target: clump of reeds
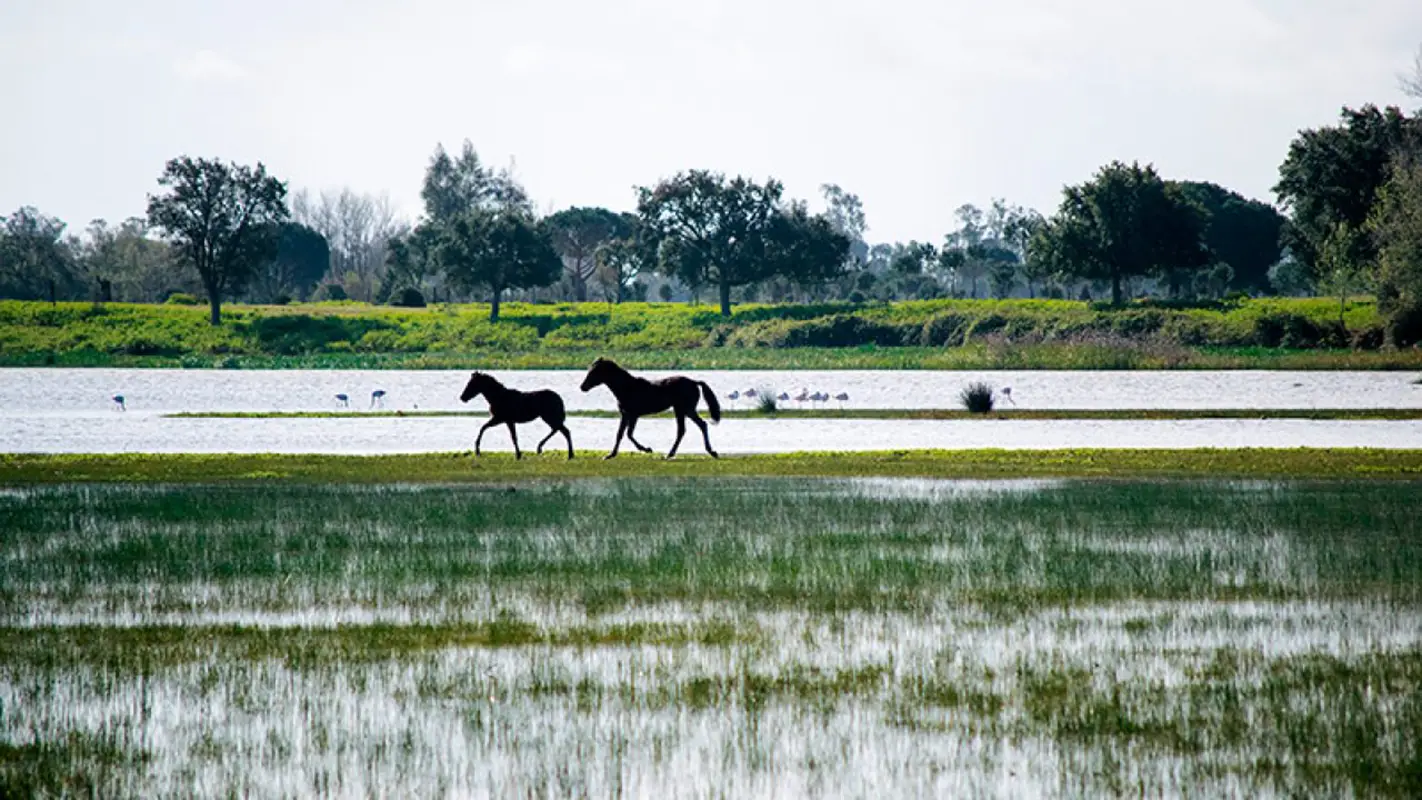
[977, 398]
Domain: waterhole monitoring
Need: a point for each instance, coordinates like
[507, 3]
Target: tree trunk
[725, 297]
[214, 303]
[494, 306]
[1115, 290]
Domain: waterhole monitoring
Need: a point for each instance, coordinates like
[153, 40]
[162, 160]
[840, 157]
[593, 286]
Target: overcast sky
[918, 107]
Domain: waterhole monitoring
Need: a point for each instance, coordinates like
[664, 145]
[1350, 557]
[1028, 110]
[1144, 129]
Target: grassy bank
[21, 469]
[938, 334]
[739, 637]
[892, 414]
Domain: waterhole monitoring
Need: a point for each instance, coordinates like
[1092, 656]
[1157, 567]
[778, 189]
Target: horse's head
[476, 384]
[597, 374]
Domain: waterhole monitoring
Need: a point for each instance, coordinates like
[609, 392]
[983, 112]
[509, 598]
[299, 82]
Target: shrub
[977, 398]
[281, 300]
[944, 330]
[330, 291]
[409, 297]
[182, 299]
[1284, 329]
[766, 402]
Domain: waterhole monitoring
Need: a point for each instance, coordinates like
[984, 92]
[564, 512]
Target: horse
[638, 397]
[509, 406]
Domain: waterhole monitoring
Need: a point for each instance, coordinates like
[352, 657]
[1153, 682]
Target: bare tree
[1412, 84]
[358, 229]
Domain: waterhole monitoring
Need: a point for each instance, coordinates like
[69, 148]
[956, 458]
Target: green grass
[893, 413]
[21, 469]
[750, 636]
[941, 334]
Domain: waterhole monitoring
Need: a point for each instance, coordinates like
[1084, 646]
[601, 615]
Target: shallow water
[106, 432]
[28, 391]
[70, 410]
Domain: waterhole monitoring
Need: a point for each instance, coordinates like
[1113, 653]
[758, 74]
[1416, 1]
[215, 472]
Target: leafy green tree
[222, 220]
[805, 248]
[301, 258]
[409, 262]
[578, 234]
[1332, 175]
[1241, 232]
[1396, 225]
[1341, 265]
[1017, 235]
[914, 258]
[1125, 222]
[497, 251]
[36, 261]
[728, 233]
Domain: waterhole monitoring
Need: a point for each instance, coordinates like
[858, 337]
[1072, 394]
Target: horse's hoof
[713, 454]
[609, 457]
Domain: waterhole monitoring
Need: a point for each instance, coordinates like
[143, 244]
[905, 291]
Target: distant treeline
[1348, 223]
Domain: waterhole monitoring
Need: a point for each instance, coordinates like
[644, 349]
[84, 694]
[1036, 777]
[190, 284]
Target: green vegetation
[21, 469]
[1089, 638]
[935, 334]
[886, 413]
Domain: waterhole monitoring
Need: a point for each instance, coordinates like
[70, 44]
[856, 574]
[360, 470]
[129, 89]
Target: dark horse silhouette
[638, 397]
[509, 406]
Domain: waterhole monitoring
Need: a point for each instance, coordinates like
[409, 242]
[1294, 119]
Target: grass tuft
[977, 398]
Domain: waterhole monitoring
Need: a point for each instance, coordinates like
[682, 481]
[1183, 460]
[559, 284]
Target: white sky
[918, 107]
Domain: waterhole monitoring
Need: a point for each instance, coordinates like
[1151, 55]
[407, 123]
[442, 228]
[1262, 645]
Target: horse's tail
[711, 401]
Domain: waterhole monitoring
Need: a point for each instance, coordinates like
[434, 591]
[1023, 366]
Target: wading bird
[344, 399]
[842, 397]
[377, 398]
[118, 401]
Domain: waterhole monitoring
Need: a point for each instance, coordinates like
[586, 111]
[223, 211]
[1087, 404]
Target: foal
[638, 397]
[509, 406]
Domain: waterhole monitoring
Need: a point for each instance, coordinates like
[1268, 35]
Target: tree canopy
[578, 234]
[707, 229]
[1125, 222]
[221, 218]
[35, 260]
[496, 250]
[1243, 233]
[1332, 175]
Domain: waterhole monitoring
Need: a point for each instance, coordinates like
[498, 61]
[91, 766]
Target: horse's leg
[621, 429]
[569, 437]
[491, 423]
[545, 439]
[631, 425]
[705, 434]
[680, 431]
[513, 434]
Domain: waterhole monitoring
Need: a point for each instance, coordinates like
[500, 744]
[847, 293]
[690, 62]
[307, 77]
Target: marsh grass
[751, 636]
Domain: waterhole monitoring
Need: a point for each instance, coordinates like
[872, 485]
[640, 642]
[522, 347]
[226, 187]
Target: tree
[1342, 270]
[845, 213]
[300, 260]
[805, 248]
[1411, 84]
[1332, 175]
[221, 218]
[578, 234]
[1125, 222]
[358, 229]
[454, 185]
[1242, 233]
[1290, 278]
[1396, 224]
[35, 259]
[707, 229]
[409, 262]
[124, 263]
[914, 258]
[621, 260]
[496, 250]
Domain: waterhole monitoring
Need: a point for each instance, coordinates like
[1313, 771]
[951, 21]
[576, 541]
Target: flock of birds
[805, 396]
[377, 397]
